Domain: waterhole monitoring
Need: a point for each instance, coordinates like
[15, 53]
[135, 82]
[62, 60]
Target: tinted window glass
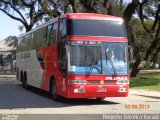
[84, 55]
[25, 43]
[62, 58]
[96, 28]
[51, 34]
[62, 30]
[39, 38]
[20, 43]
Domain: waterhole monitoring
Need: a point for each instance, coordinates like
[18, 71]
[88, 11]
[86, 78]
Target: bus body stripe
[96, 38]
[92, 16]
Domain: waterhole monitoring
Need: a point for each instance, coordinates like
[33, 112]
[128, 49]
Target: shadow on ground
[13, 96]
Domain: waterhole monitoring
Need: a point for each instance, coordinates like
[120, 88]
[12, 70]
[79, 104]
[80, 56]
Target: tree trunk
[28, 28]
[135, 69]
[136, 52]
[137, 65]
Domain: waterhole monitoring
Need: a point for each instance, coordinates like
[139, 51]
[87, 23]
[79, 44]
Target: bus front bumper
[97, 91]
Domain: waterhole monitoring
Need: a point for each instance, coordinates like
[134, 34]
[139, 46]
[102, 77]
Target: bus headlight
[123, 82]
[77, 82]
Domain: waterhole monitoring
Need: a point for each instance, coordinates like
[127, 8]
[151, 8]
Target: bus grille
[98, 82]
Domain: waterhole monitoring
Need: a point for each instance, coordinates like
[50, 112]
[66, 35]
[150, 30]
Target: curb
[145, 93]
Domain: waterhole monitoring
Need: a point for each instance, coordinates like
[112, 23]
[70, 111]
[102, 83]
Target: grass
[146, 81]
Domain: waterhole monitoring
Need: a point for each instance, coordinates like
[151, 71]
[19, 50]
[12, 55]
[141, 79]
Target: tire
[53, 91]
[22, 79]
[24, 82]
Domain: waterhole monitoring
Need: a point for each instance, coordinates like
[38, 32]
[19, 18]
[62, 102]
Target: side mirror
[130, 53]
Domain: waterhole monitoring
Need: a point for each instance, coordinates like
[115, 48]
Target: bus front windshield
[97, 58]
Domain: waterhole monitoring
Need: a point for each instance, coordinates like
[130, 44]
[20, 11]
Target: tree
[110, 7]
[11, 41]
[153, 31]
[29, 12]
[147, 11]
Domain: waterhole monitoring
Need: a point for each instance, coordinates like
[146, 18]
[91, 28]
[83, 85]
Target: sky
[8, 26]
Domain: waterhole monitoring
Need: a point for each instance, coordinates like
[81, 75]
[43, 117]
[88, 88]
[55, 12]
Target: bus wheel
[53, 91]
[24, 82]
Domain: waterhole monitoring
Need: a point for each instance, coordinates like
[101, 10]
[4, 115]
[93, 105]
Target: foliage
[143, 39]
[110, 7]
[29, 12]
[150, 22]
[146, 81]
[11, 41]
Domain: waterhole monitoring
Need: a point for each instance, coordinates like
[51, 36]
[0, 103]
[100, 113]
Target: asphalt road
[16, 100]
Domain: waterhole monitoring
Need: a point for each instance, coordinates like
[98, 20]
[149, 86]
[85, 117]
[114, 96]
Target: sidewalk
[145, 93]
[7, 76]
[150, 71]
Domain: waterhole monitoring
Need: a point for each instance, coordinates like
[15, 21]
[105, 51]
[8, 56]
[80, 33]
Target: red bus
[76, 55]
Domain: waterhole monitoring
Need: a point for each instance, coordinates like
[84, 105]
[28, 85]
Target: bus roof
[91, 16]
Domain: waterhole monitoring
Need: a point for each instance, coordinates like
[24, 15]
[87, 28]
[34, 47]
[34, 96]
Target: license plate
[101, 90]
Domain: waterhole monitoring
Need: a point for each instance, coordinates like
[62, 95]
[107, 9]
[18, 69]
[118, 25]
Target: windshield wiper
[94, 60]
[113, 67]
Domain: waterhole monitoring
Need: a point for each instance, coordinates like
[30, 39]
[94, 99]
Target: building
[7, 57]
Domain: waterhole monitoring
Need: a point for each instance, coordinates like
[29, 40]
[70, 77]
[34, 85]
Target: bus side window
[62, 29]
[36, 38]
[51, 34]
[62, 58]
[28, 42]
[25, 43]
[43, 37]
[20, 44]
[39, 38]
